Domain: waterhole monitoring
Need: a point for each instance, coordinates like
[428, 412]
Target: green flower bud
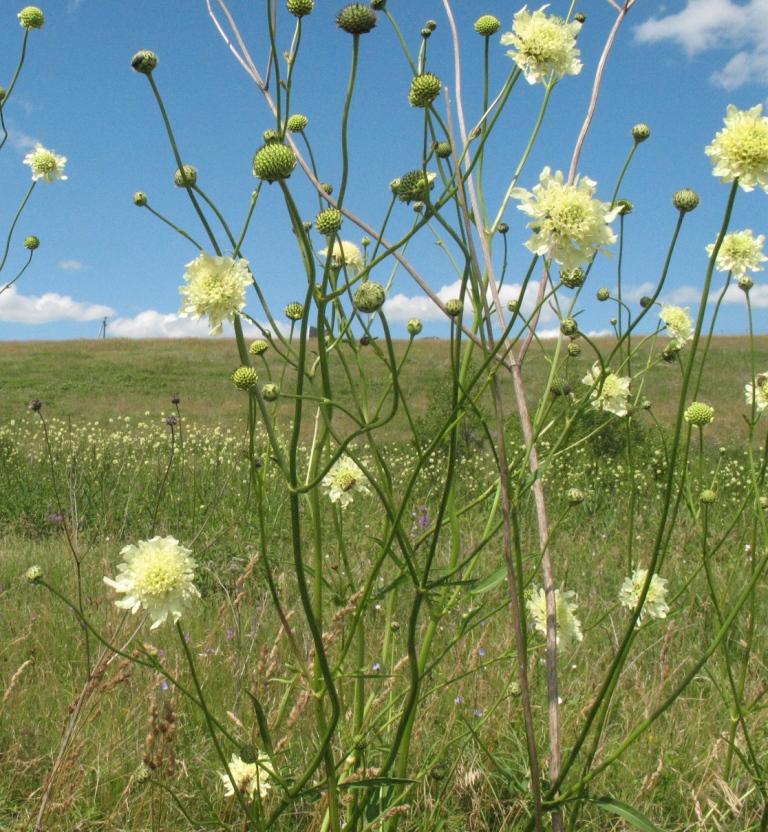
[487, 25]
[560, 387]
[669, 353]
[569, 326]
[144, 61]
[365, 242]
[685, 200]
[764, 503]
[745, 283]
[270, 392]
[326, 188]
[369, 296]
[580, 17]
[454, 307]
[426, 33]
[273, 162]
[307, 226]
[294, 311]
[185, 177]
[413, 186]
[699, 414]
[574, 496]
[300, 8]
[356, 19]
[140, 199]
[258, 347]
[31, 17]
[442, 150]
[378, 4]
[645, 301]
[640, 132]
[431, 25]
[245, 378]
[271, 136]
[502, 228]
[574, 349]
[3, 93]
[296, 123]
[141, 775]
[34, 574]
[707, 496]
[414, 326]
[625, 207]
[513, 305]
[603, 293]
[572, 278]
[328, 222]
[31, 242]
[424, 90]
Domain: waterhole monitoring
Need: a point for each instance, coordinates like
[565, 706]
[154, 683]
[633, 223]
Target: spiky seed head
[454, 307]
[245, 378]
[328, 222]
[442, 150]
[569, 326]
[574, 349]
[487, 25]
[640, 132]
[685, 200]
[356, 19]
[603, 293]
[31, 17]
[270, 392]
[572, 278]
[369, 297]
[699, 414]
[574, 496]
[414, 327]
[413, 186]
[258, 347]
[144, 61]
[185, 177]
[296, 123]
[140, 199]
[300, 8]
[424, 89]
[745, 283]
[31, 243]
[708, 496]
[294, 311]
[273, 162]
[34, 574]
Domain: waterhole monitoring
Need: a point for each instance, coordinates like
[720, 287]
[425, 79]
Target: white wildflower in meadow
[249, 777]
[346, 254]
[757, 393]
[214, 288]
[741, 252]
[655, 605]
[568, 223]
[740, 149]
[343, 480]
[678, 323]
[543, 46]
[45, 164]
[156, 575]
[610, 393]
[568, 626]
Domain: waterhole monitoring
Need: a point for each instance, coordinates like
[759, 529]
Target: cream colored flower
[655, 605]
[741, 252]
[157, 576]
[346, 254]
[343, 480]
[610, 393]
[740, 150]
[45, 164]
[249, 777]
[543, 46]
[568, 626]
[757, 393]
[568, 224]
[214, 288]
[678, 323]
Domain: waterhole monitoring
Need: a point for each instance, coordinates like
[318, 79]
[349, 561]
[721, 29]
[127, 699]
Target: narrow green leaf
[488, 583]
[627, 813]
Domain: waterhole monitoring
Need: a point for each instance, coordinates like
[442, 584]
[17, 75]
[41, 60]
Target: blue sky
[676, 66]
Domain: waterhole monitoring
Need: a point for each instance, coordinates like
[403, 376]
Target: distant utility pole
[103, 330]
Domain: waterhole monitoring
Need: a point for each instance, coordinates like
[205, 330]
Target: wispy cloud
[70, 265]
[47, 308]
[153, 324]
[21, 141]
[703, 25]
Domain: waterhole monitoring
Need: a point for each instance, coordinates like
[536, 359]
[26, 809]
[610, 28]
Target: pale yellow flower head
[655, 605]
[45, 164]
[156, 575]
[757, 393]
[214, 287]
[610, 393]
[678, 323]
[741, 252]
[344, 480]
[740, 149]
[249, 778]
[568, 223]
[568, 626]
[543, 46]
[345, 254]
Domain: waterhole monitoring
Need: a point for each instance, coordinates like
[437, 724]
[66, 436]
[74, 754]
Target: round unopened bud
[31, 17]
[414, 326]
[502, 228]
[270, 392]
[745, 282]
[646, 404]
[365, 242]
[31, 242]
[454, 307]
[645, 301]
[669, 353]
[431, 25]
[603, 293]
[574, 496]
[142, 775]
[35, 406]
[356, 19]
[580, 17]
[513, 305]
[640, 132]
[175, 399]
[365, 340]
[307, 225]
[294, 311]
[144, 61]
[271, 136]
[34, 574]
[413, 186]
[699, 414]
[625, 207]
[569, 326]
[572, 278]
[574, 349]
[258, 347]
[424, 90]
[394, 626]
[560, 387]
[140, 199]
[685, 200]
[185, 177]
[326, 188]
[328, 222]
[245, 378]
[300, 8]
[273, 162]
[707, 496]
[487, 25]
[378, 4]
[426, 33]
[296, 123]
[442, 150]
[369, 297]
[764, 503]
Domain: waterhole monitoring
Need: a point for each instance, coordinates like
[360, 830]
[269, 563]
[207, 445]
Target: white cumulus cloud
[704, 25]
[46, 308]
[70, 265]
[153, 324]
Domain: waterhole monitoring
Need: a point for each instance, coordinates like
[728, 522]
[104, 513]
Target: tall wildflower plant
[374, 597]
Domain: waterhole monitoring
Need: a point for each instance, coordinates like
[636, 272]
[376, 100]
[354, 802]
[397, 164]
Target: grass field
[77, 744]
